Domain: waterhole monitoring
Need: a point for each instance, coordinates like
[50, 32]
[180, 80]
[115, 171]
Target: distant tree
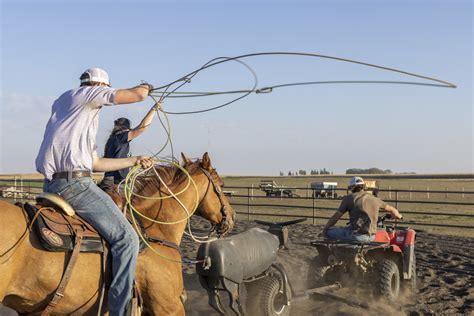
[368, 171]
[281, 173]
[302, 172]
[289, 173]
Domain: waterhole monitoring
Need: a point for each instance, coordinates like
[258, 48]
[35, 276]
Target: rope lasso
[163, 92]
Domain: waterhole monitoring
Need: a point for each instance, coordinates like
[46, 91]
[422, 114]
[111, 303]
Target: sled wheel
[388, 280]
[265, 297]
[412, 283]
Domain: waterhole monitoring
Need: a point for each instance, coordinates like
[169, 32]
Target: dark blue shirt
[117, 146]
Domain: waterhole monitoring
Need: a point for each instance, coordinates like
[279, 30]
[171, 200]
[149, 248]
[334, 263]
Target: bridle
[226, 224]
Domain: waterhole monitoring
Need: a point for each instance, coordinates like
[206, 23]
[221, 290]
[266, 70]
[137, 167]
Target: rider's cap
[95, 75]
[356, 181]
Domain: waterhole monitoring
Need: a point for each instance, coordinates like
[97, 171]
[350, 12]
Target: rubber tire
[388, 283]
[314, 276]
[411, 284]
[261, 296]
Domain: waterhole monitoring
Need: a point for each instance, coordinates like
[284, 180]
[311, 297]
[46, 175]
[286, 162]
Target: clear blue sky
[45, 45]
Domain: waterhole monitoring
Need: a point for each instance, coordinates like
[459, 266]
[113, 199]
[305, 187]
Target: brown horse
[29, 274]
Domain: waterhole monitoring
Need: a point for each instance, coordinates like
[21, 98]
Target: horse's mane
[170, 174]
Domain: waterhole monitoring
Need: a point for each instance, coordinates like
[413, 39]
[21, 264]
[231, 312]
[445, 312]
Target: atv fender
[408, 254]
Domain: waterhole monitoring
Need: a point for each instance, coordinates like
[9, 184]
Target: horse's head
[214, 205]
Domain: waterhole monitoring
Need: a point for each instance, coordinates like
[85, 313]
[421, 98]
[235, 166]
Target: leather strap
[59, 293]
[104, 276]
[71, 174]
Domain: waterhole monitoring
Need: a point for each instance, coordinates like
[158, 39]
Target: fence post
[313, 210]
[446, 194]
[307, 190]
[396, 199]
[463, 192]
[252, 192]
[428, 192]
[410, 193]
[248, 203]
[14, 188]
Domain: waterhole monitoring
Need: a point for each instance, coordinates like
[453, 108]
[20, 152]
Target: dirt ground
[445, 277]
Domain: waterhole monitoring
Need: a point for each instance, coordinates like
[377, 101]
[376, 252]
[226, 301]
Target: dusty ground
[445, 277]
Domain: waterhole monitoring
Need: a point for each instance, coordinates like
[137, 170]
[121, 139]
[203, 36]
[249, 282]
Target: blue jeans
[97, 208]
[346, 233]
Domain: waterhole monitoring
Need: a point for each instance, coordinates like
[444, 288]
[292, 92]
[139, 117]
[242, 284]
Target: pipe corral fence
[432, 208]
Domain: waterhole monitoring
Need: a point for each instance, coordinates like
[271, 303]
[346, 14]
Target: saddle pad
[56, 236]
[59, 238]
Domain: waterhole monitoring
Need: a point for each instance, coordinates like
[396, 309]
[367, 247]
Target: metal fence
[455, 211]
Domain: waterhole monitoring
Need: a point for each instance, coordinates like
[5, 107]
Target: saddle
[56, 225]
[60, 229]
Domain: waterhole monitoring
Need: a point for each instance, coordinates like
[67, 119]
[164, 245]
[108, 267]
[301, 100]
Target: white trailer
[324, 189]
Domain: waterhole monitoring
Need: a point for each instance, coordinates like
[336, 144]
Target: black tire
[388, 280]
[411, 284]
[316, 272]
[266, 298]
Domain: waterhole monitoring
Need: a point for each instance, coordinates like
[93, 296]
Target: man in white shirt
[67, 157]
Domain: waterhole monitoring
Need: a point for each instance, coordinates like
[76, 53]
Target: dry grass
[455, 183]
[325, 207]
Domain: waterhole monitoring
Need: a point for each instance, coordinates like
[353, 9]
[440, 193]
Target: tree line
[323, 171]
[302, 172]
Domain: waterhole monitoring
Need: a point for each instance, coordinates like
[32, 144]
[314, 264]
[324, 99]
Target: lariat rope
[166, 91]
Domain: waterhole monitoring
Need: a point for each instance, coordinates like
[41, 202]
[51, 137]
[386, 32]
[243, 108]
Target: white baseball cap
[356, 181]
[95, 75]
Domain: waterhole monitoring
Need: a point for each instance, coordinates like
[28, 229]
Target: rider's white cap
[95, 75]
[356, 181]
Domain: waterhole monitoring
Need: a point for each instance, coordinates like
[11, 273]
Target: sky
[46, 45]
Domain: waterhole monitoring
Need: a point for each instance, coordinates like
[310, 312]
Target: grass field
[454, 214]
[421, 213]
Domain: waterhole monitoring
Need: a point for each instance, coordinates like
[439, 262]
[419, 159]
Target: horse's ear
[206, 162]
[186, 160]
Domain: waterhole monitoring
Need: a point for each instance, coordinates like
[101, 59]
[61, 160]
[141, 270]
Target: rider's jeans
[97, 208]
[346, 233]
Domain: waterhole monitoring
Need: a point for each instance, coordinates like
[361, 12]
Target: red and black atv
[386, 264]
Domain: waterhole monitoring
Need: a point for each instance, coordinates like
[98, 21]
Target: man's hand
[393, 211]
[145, 161]
[147, 86]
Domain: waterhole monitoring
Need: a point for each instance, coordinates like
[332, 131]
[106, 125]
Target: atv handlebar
[383, 218]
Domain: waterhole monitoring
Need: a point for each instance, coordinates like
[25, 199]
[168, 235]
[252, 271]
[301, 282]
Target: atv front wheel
[265, 297]
[388, 283]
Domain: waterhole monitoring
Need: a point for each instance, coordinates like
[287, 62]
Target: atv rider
[363, 210]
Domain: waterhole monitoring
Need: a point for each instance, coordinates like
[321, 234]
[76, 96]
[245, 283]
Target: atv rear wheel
[265, 297]
[316, 272]
[388, 283]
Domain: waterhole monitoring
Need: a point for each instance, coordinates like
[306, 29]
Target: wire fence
[435, 208]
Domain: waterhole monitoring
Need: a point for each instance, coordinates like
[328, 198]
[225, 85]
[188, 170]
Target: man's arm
[132, 95]
[134, 133]
[112, 164]
[393, 211]
[331, 222]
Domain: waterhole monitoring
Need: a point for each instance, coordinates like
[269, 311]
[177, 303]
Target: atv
[385, 265]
